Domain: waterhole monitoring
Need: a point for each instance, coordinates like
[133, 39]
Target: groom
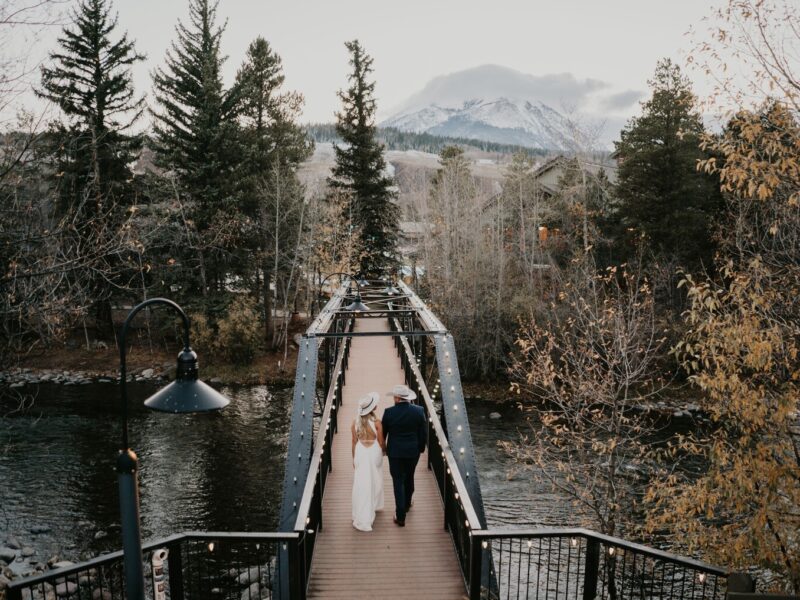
[406, 430]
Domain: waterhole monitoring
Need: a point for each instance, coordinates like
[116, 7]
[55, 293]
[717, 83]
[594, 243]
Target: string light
[485, 545]
[611, 551]
[701, 577]
[574, 542]
[211, 546]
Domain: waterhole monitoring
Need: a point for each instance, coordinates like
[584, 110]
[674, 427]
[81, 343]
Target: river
[212, 472]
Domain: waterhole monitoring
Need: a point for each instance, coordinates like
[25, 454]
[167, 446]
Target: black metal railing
[309, 514]
[578, 564]
[460, 518]
[187, 566]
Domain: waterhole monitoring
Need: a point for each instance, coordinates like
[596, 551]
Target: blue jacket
[405, 429]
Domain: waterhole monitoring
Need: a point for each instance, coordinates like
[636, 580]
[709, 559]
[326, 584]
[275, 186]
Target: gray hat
[403, 392]
[368, 403]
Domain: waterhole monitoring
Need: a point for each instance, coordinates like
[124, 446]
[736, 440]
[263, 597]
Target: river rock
[28, 551]
[17, 384]
[494, 415]
[249, 576]
[215, 380]
[4, 581]
[7, 554]
[100, 535]
[101, 595]
[37, 529]
[13, 543]
[66, 589]
[148, 373]
[62, 564]
[254, 591]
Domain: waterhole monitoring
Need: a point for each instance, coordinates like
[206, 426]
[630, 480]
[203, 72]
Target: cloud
[494, 81]
[620, 101]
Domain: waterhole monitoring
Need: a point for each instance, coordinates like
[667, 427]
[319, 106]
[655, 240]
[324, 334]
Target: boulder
[101, 595]
[37, 529]
[13, 544]
[7, 554]
[4, 581]
[61, 564]
[494, 415]
[249, 576]
[67, 588]
[99, 535]
[254, 591]
[148, 373]
[28, 551]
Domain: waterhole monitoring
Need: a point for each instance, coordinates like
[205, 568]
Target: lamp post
[187, 394]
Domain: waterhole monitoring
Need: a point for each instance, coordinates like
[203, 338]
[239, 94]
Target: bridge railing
[186, 566]
[460, 518]
[309, 514]
[578, 564]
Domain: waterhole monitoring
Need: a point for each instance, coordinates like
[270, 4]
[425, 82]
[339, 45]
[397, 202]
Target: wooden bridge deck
[415, 561]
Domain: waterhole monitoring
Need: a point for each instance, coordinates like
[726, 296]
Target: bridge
[369, 337]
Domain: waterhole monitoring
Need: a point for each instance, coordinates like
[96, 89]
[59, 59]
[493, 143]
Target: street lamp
[357, 305]
[187, 394]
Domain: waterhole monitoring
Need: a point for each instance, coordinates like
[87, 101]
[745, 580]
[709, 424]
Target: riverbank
[82, 366]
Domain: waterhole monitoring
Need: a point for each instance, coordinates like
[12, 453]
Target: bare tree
[584, 372]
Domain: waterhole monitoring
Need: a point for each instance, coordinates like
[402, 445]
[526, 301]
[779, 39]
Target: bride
[368, 446]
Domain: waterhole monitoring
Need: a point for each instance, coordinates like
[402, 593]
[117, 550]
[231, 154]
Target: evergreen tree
[360, 168]
[196, 136]
[273, 146]
[89, 79]
[661, 192]
[196, 123]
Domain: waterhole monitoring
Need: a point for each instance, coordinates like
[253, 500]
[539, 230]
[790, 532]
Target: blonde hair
[362, 424]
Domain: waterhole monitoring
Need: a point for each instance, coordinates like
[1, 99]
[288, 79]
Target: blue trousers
[402, 471]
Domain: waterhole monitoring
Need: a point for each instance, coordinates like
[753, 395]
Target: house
[549, 174]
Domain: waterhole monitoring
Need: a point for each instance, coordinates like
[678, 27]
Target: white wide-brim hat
[368, 403]
[403, 392]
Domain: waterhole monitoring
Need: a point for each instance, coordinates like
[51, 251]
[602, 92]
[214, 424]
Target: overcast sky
[616, 42]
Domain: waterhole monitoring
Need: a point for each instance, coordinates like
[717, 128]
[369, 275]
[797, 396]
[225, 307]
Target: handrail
[154, 544]
[545, 532]
[433, 417]
[319, 445]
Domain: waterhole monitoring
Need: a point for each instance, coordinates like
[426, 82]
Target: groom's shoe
[399, 523]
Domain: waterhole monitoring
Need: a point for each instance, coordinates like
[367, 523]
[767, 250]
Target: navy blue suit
[406, 431]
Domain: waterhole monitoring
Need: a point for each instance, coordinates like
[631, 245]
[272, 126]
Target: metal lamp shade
[187, 396]
[357, 305]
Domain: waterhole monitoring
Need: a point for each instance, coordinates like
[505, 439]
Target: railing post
[297, 584]
[591, 569]
[175, 566]
[475, 567]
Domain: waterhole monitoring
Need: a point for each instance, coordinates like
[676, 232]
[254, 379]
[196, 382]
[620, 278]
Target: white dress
[367, 483]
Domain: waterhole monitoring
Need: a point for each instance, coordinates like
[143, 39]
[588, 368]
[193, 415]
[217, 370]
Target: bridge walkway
[391, 562]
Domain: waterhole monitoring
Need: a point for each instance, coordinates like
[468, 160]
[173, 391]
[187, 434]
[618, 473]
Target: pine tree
[270, 133]
[360, 169]
[196, 125]
[89, 79]
[196, 137]
[273, 146]
[661, 193]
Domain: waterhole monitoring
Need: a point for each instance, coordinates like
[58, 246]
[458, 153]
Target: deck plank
[390, 562]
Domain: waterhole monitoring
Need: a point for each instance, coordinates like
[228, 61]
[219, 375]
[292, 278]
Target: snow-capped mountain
[502, 120]
[496, 104]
